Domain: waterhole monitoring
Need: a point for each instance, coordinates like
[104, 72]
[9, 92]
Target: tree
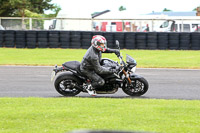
[18, 8]
[122, 8]
[166, 10]
[56, 10]
[5, 9]
[27, 8]
[196, 9]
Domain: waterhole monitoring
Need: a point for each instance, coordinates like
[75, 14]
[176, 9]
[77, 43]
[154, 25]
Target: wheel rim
[135, 87]
[67, 87]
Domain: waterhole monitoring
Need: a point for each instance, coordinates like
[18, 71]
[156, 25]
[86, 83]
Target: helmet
[97, 42]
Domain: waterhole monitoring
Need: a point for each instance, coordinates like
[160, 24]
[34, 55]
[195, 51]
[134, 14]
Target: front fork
[127, 76]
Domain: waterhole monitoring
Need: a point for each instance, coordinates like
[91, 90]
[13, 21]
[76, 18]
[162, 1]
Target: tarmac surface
[34, 81]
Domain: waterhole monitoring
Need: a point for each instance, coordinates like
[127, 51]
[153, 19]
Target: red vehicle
[113, 26]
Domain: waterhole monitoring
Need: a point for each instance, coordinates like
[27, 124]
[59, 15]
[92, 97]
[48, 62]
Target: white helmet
[99, 42]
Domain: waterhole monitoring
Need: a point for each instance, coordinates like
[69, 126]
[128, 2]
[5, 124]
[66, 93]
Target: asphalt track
[31, 81]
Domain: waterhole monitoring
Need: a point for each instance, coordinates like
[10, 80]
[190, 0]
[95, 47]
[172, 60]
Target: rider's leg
[96, 81]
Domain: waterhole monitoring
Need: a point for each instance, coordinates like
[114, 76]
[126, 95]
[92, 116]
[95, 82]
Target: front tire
[137, 88]
[64, 84]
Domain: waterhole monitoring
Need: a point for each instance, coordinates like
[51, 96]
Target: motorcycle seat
[74, 65]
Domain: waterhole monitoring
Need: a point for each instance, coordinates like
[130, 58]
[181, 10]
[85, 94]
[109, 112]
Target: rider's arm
[116, 51]
[100, 69]
[108, 50]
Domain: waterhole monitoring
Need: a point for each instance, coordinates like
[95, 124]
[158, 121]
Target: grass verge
[67, 114]
[145, 58]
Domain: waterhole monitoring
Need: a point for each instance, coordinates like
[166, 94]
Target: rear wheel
[137, 88]
[65, 83]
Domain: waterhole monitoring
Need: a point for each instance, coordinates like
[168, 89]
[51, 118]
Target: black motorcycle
[71, 81]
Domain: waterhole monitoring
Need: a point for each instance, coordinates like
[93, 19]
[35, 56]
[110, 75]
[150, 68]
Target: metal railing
[93, 24]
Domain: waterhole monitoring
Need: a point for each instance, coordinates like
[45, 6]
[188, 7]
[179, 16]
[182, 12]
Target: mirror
[117, 43]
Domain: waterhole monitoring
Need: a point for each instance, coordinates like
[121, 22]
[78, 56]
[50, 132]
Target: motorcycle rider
[90, 65]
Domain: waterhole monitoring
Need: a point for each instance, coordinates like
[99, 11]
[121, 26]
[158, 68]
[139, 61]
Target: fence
[183, 24]
[18, 23]
[82, 39]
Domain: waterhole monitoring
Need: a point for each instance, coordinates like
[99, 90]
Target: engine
[108, 88]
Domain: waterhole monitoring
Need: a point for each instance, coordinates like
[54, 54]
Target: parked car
[176, 26]
[1, 27]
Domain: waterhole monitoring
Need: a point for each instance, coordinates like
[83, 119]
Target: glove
[116, 69]
[117, 52]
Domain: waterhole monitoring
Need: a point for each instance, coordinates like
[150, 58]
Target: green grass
[145, 58]
[67, 114]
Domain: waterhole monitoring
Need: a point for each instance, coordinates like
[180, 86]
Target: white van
[1, 27]
[71, 20]
[176, 26]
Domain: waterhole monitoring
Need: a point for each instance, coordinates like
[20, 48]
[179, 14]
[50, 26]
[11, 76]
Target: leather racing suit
[90, 66]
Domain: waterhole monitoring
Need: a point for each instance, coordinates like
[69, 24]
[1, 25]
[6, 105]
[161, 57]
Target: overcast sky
[133, 6]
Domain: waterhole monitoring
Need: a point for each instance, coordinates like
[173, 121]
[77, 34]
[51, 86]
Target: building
[171, 13]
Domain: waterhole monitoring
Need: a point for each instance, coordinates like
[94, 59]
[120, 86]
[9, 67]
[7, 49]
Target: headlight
[133, 69]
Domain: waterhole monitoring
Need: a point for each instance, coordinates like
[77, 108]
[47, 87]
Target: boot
[91, 91]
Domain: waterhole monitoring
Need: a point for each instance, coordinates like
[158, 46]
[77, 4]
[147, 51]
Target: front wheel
[138, 87]
[64, 84]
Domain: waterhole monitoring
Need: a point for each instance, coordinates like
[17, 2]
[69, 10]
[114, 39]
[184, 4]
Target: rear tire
[139, 87]
[64, 84]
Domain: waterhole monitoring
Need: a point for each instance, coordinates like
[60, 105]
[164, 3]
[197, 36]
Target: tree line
[27, 8]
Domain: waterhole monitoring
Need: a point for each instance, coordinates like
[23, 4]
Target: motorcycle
[71, 81]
